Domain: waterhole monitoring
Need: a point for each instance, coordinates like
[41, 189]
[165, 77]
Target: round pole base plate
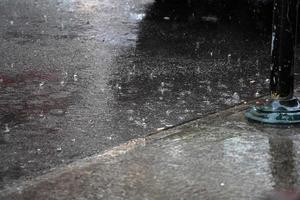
[276, 112]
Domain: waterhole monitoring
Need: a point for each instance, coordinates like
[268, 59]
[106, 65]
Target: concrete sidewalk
[221, 156]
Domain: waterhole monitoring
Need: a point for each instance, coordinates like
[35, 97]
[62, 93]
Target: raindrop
[57, 112]
[58, 149]
[162, 90]
[141, 123]
[267, 81]
[41, 85]
[239, 62]
[229, 58]
[41, 115]
[181, 117]
[166, 18]
[118, 86]
[62, 83]
[38, 151]
[257, 94]
[7, 129]
[252, 81]
[186, 110]
[137, 17]
[222, 184]
[220, 85]
[151, 76]
[130, 111]
[236, 97]
[197, 46]
[73, 140]
[109, 137]
[45, 18]
[168, 112]
[213, 19]
[75, 77]
[206, 102]
[209, 89]
[11, 22]
[211, 53]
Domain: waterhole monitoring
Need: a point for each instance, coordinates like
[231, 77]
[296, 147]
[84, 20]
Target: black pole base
[276, 112]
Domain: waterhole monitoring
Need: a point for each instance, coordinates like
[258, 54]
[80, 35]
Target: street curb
[19, 186]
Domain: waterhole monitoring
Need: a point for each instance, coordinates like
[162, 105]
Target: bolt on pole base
[276, 112]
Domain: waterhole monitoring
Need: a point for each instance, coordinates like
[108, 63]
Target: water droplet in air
[141, 123]
[7, 129]
[229, 58]
[239, 62]
[267, 81]
[57, 112]
[236, 97]
[118, 86]
[209, 89]
[109, 137]
[45, 18]
[130, 111]
[168, 112]
[41, 85]
[75, 77]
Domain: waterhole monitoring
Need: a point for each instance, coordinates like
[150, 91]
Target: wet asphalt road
[80, 76]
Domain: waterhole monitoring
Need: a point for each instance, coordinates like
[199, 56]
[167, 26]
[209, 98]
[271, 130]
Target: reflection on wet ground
[79, 76]
[220, 156]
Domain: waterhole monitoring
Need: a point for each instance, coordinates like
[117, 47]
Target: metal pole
[283, 49]
[284, 108]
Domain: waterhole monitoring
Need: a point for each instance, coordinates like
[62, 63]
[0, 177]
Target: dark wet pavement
[78, 77]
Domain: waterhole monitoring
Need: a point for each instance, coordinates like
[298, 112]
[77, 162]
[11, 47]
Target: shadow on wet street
[78, 77]
[189, 61]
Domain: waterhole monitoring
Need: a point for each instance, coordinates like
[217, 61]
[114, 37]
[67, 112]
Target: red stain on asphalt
[28, 76]
[286, 194]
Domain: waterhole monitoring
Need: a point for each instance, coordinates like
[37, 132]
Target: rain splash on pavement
[80, 76]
